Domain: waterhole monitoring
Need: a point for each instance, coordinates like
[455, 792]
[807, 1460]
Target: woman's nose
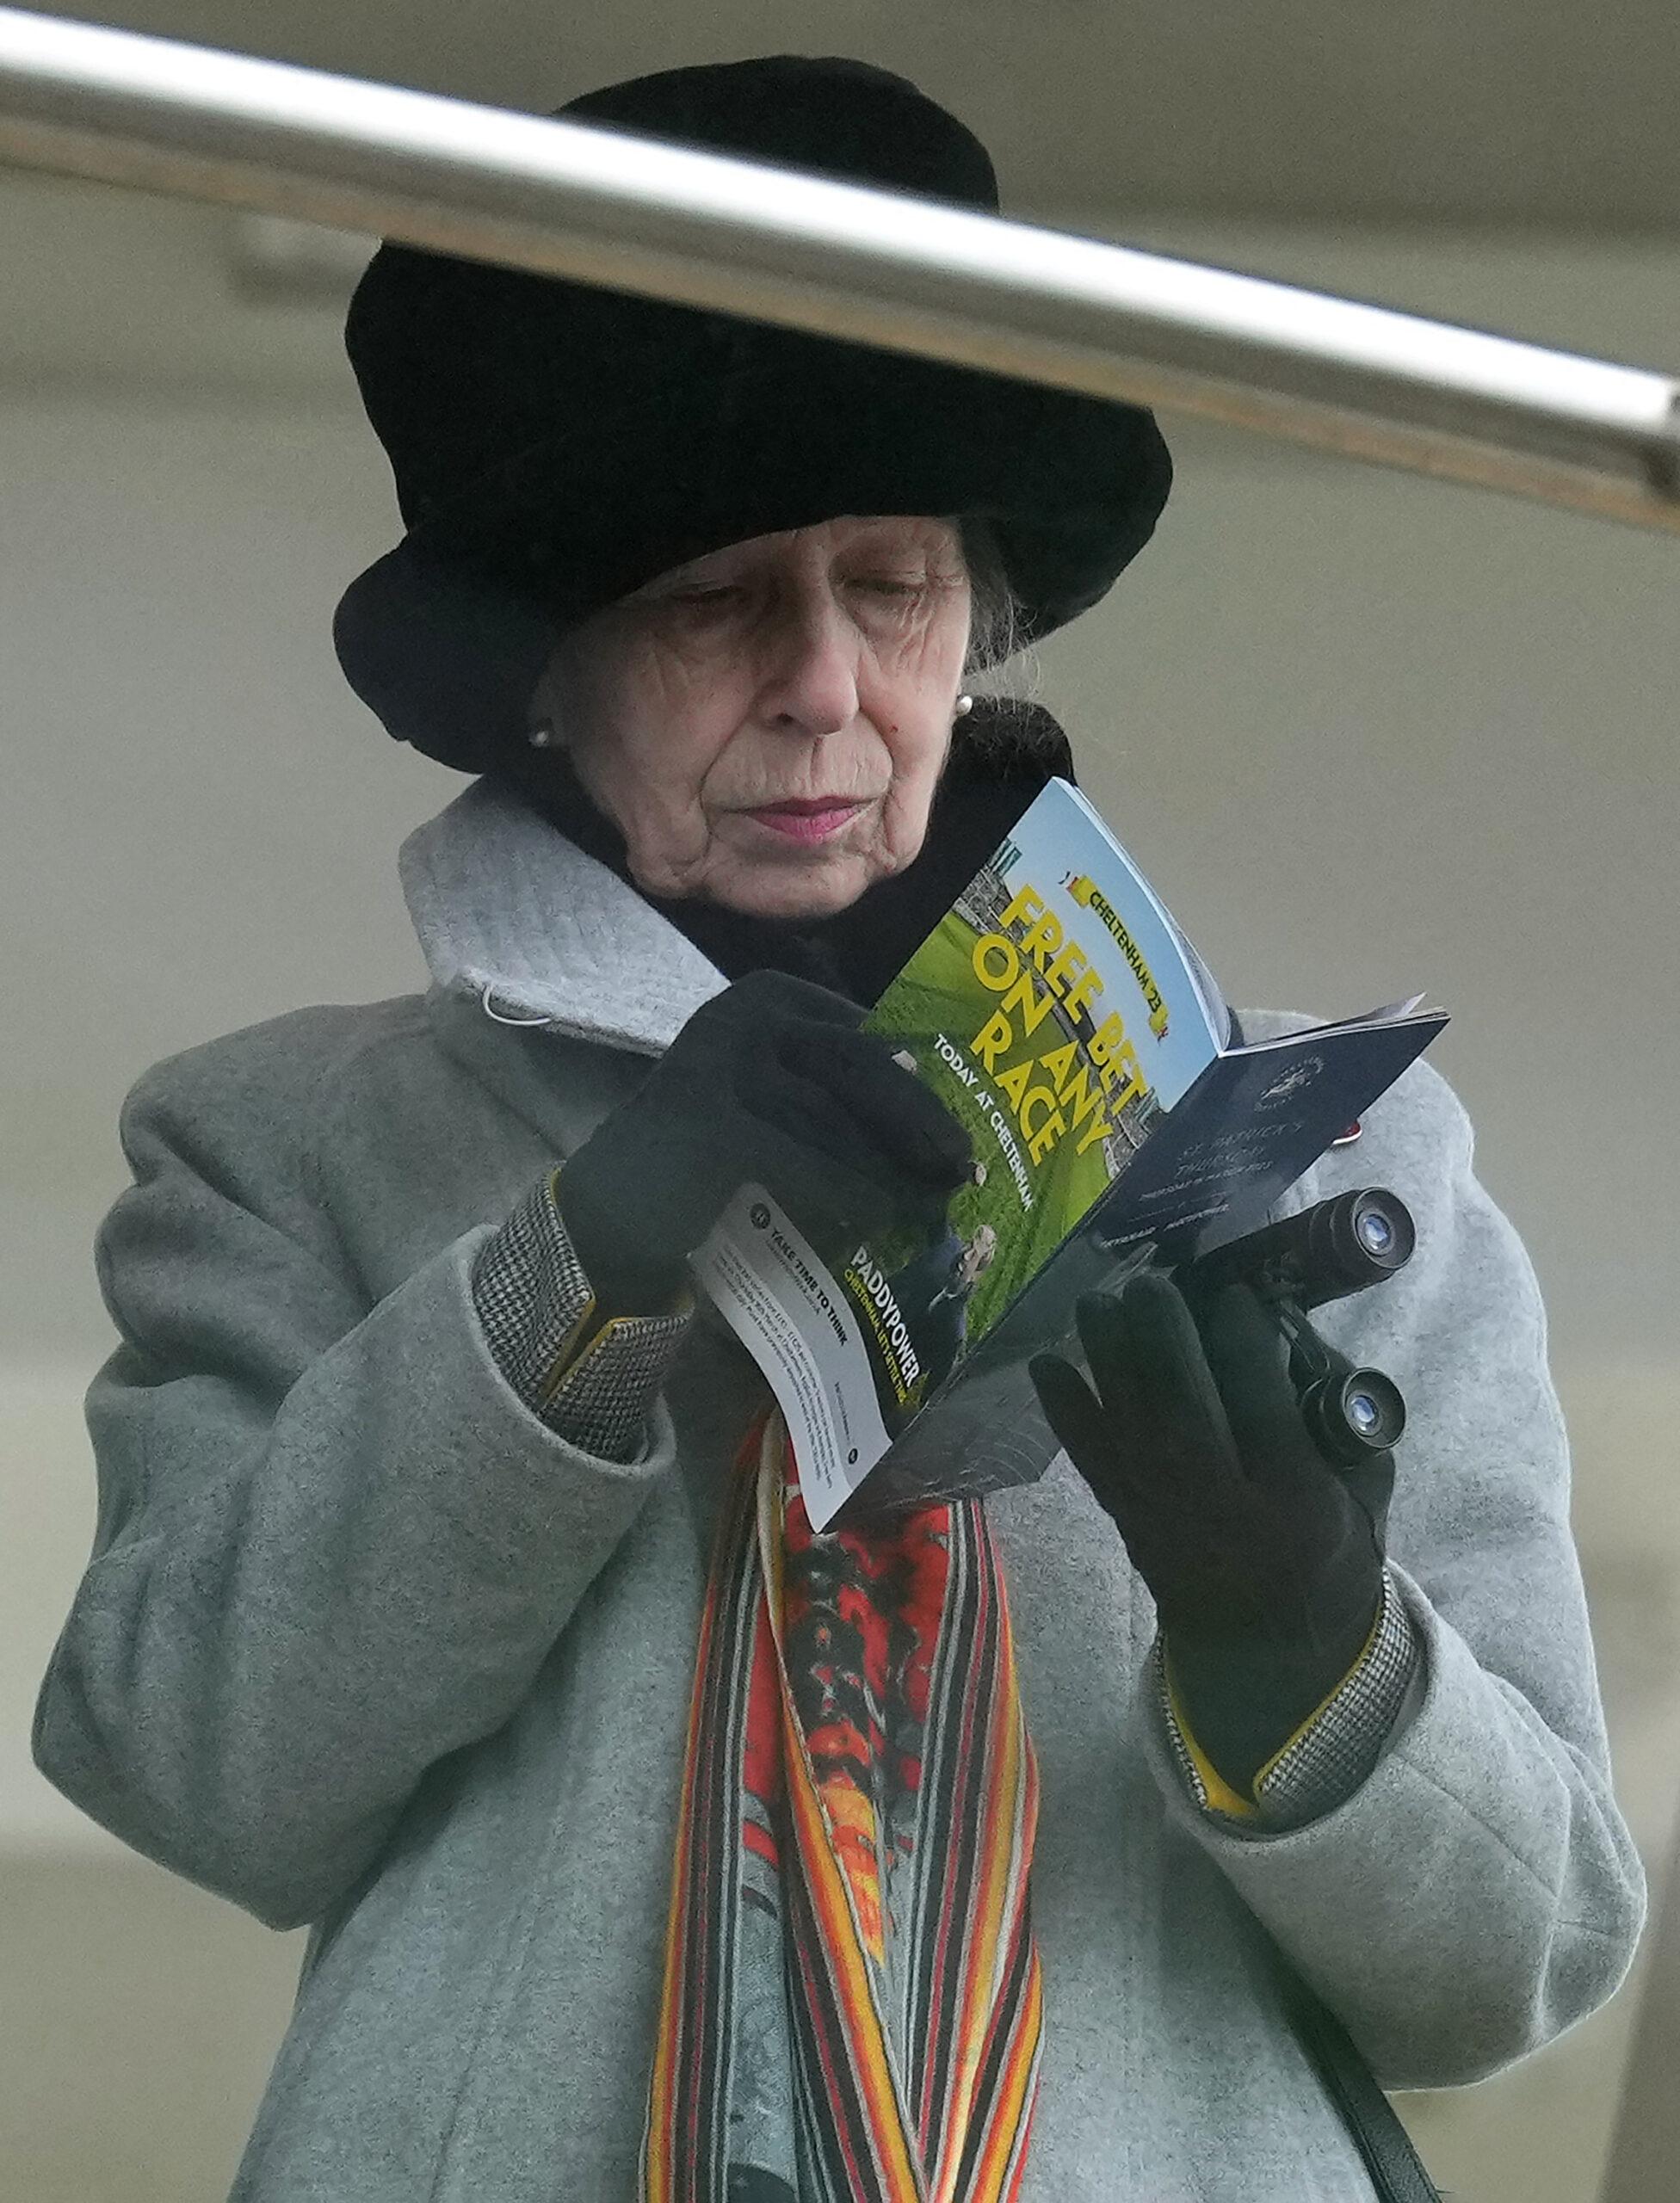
[812, 669]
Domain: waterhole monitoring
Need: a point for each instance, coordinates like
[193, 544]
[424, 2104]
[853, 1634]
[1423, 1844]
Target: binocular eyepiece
[1350, 1415]
[1339, 1246]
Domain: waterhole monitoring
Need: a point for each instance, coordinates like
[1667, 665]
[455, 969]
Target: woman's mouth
[808, 818]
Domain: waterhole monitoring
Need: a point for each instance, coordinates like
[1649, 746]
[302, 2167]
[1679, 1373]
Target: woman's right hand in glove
[772, 1081]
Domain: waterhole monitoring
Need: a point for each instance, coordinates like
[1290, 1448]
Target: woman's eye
[706, 604]
[714, 596]
[893, 587]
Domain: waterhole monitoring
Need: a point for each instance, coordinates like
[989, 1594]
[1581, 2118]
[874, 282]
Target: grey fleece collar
[510, 912]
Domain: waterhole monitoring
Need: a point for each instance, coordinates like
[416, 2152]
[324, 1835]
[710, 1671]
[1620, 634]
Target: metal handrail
[875, 267]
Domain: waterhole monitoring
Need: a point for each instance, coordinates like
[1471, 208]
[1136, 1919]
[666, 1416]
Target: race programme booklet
[1067, 1024]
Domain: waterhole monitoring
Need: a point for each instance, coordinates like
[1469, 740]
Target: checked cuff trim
[594, 1388]
[1330, 1754]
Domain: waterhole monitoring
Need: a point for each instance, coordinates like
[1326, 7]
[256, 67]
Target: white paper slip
[769, 1284]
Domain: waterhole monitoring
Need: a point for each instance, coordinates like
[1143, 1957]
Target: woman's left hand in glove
[1265, 1562]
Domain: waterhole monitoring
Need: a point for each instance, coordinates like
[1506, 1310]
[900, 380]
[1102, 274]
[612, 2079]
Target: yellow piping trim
[1325, 1704]
[1220, 1795]
[1216, 1791]
[581, 1342]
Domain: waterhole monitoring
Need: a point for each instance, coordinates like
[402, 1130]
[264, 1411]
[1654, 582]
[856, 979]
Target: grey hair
[997, 636]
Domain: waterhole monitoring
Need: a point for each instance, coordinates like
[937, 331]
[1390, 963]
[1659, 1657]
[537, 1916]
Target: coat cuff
[593, 1384]
[1329, 1756]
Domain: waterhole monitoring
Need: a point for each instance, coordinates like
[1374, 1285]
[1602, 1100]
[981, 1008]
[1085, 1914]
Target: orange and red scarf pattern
[852, 2003]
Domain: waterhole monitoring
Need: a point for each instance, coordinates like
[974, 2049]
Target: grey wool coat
[364, 1645]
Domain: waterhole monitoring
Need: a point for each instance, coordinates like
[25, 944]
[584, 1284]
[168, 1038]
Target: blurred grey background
[1367, 733]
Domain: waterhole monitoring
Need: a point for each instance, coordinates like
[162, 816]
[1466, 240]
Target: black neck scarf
[1000, 756]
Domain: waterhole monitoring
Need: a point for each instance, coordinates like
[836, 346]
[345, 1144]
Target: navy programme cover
[1063, 1018]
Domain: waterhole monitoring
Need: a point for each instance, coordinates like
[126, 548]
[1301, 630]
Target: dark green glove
[771, 1081]
[1265, 1563]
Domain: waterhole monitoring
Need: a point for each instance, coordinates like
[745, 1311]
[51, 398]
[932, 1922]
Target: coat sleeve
[1478, 1893]
[333, 1545]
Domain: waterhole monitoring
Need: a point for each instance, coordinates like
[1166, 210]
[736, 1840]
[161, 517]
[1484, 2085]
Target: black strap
[1396, 2170]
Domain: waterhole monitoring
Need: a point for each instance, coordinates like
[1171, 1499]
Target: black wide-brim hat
[555, 446]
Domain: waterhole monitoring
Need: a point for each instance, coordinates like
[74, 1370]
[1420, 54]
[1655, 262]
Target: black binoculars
[1339, 1247]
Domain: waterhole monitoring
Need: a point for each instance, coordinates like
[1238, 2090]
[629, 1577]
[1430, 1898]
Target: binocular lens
[1363, 1413]
[1375, 1233]
[1352, 1415]
[1378, 1234]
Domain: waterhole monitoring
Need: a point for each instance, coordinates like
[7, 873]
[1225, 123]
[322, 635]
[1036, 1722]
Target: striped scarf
[852, 2002]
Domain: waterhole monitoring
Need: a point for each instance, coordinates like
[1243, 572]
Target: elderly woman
[452, 1591]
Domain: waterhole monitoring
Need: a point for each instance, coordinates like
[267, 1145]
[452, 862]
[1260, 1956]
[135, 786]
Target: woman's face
[766, 726]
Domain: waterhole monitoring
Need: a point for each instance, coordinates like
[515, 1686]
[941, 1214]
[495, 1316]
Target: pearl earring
[542, 735]
[965, 705]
